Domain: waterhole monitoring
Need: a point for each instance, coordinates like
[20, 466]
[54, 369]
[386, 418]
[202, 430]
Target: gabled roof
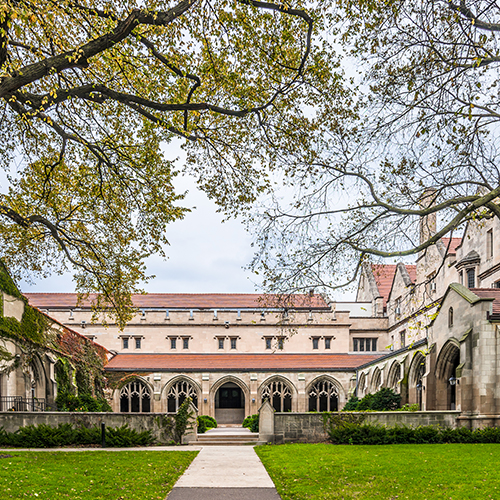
[455, 243]
[384, 277]
[238, 362]
[187, 301]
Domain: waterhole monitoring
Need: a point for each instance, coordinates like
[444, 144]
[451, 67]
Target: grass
[137, 475]
[416, 472]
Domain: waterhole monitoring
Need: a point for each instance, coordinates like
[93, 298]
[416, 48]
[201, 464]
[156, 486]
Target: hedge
[354, 433]
[45, 436]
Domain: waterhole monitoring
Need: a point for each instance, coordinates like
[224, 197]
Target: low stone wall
[308, 427]
[12, 420]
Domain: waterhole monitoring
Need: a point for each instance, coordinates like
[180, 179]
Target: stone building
[426, 329]
[230, 352]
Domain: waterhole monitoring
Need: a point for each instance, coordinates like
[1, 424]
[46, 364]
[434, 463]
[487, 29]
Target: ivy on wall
[80, 362]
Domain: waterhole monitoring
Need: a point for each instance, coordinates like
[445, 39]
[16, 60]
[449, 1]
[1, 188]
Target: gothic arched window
[279, 395]
[135, 397]
[323, 396]
[178, 392]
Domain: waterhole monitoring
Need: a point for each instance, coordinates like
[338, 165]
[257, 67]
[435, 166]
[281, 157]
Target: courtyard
[299, 472]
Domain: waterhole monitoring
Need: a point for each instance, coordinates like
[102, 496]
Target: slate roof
[237, 362]
[188, 301]
[489, 293]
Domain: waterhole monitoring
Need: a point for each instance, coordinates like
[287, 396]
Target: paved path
[225, 472]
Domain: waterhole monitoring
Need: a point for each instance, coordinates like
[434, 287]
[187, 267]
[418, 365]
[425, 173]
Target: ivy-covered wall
[79, 368]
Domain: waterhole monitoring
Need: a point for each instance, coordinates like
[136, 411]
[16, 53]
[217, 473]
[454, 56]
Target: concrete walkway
[225, 472]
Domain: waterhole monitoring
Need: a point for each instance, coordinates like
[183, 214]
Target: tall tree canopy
[422, 138]
[91, 89]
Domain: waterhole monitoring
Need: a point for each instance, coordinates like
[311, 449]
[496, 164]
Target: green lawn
[92, 475]
[416, 472]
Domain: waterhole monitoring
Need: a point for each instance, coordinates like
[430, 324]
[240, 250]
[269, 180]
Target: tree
[91, 90]
[421, 141]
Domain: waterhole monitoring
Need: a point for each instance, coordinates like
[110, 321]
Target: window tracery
[178, 393]
[323, 396]
[135, 397]
[279, 395]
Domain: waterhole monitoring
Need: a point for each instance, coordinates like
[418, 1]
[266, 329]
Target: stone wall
[308, 427]
[12, 421]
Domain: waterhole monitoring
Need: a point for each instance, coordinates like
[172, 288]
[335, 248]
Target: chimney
[427, 222]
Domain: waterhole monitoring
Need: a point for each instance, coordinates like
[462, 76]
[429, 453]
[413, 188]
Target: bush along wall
[45, 436]
[252, 422]
[352, 431]
[384, 400]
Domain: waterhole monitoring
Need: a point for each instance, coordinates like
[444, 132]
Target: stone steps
[226, 437]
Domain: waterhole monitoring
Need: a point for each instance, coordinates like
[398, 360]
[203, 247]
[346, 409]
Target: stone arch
[323, 393]
[394, 377]
[416, 386]
[36, 381]
[376, 380]
[229, 379]
[135, 395]
[274, 385]
[446, 365]
[175, 391]
[361, 385]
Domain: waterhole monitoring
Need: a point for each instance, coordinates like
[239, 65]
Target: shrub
[45, 436]
[352, 404]
[252, 422]
[66, 401]
[384, 400]
[205, 422]
[351, 432]
[183, 420]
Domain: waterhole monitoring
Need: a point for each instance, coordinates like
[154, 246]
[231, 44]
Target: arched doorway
[323, 396]
[446, 382]
[135, 397]
[229, 404]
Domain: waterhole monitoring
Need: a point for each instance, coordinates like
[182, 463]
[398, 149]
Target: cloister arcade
[230, 396]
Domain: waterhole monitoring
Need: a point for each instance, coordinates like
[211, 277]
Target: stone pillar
[254, 396]
[486, 370]
[266, 422]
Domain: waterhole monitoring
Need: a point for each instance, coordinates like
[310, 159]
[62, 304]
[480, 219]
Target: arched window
[323, 396]
[279, 395]
[450, 317]
[135, 397]
[178, 392]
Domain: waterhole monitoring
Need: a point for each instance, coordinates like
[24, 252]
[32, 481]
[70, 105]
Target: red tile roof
[455, 242]
[188, 301]
[489, 293]
[237, 362]
[384, 276]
